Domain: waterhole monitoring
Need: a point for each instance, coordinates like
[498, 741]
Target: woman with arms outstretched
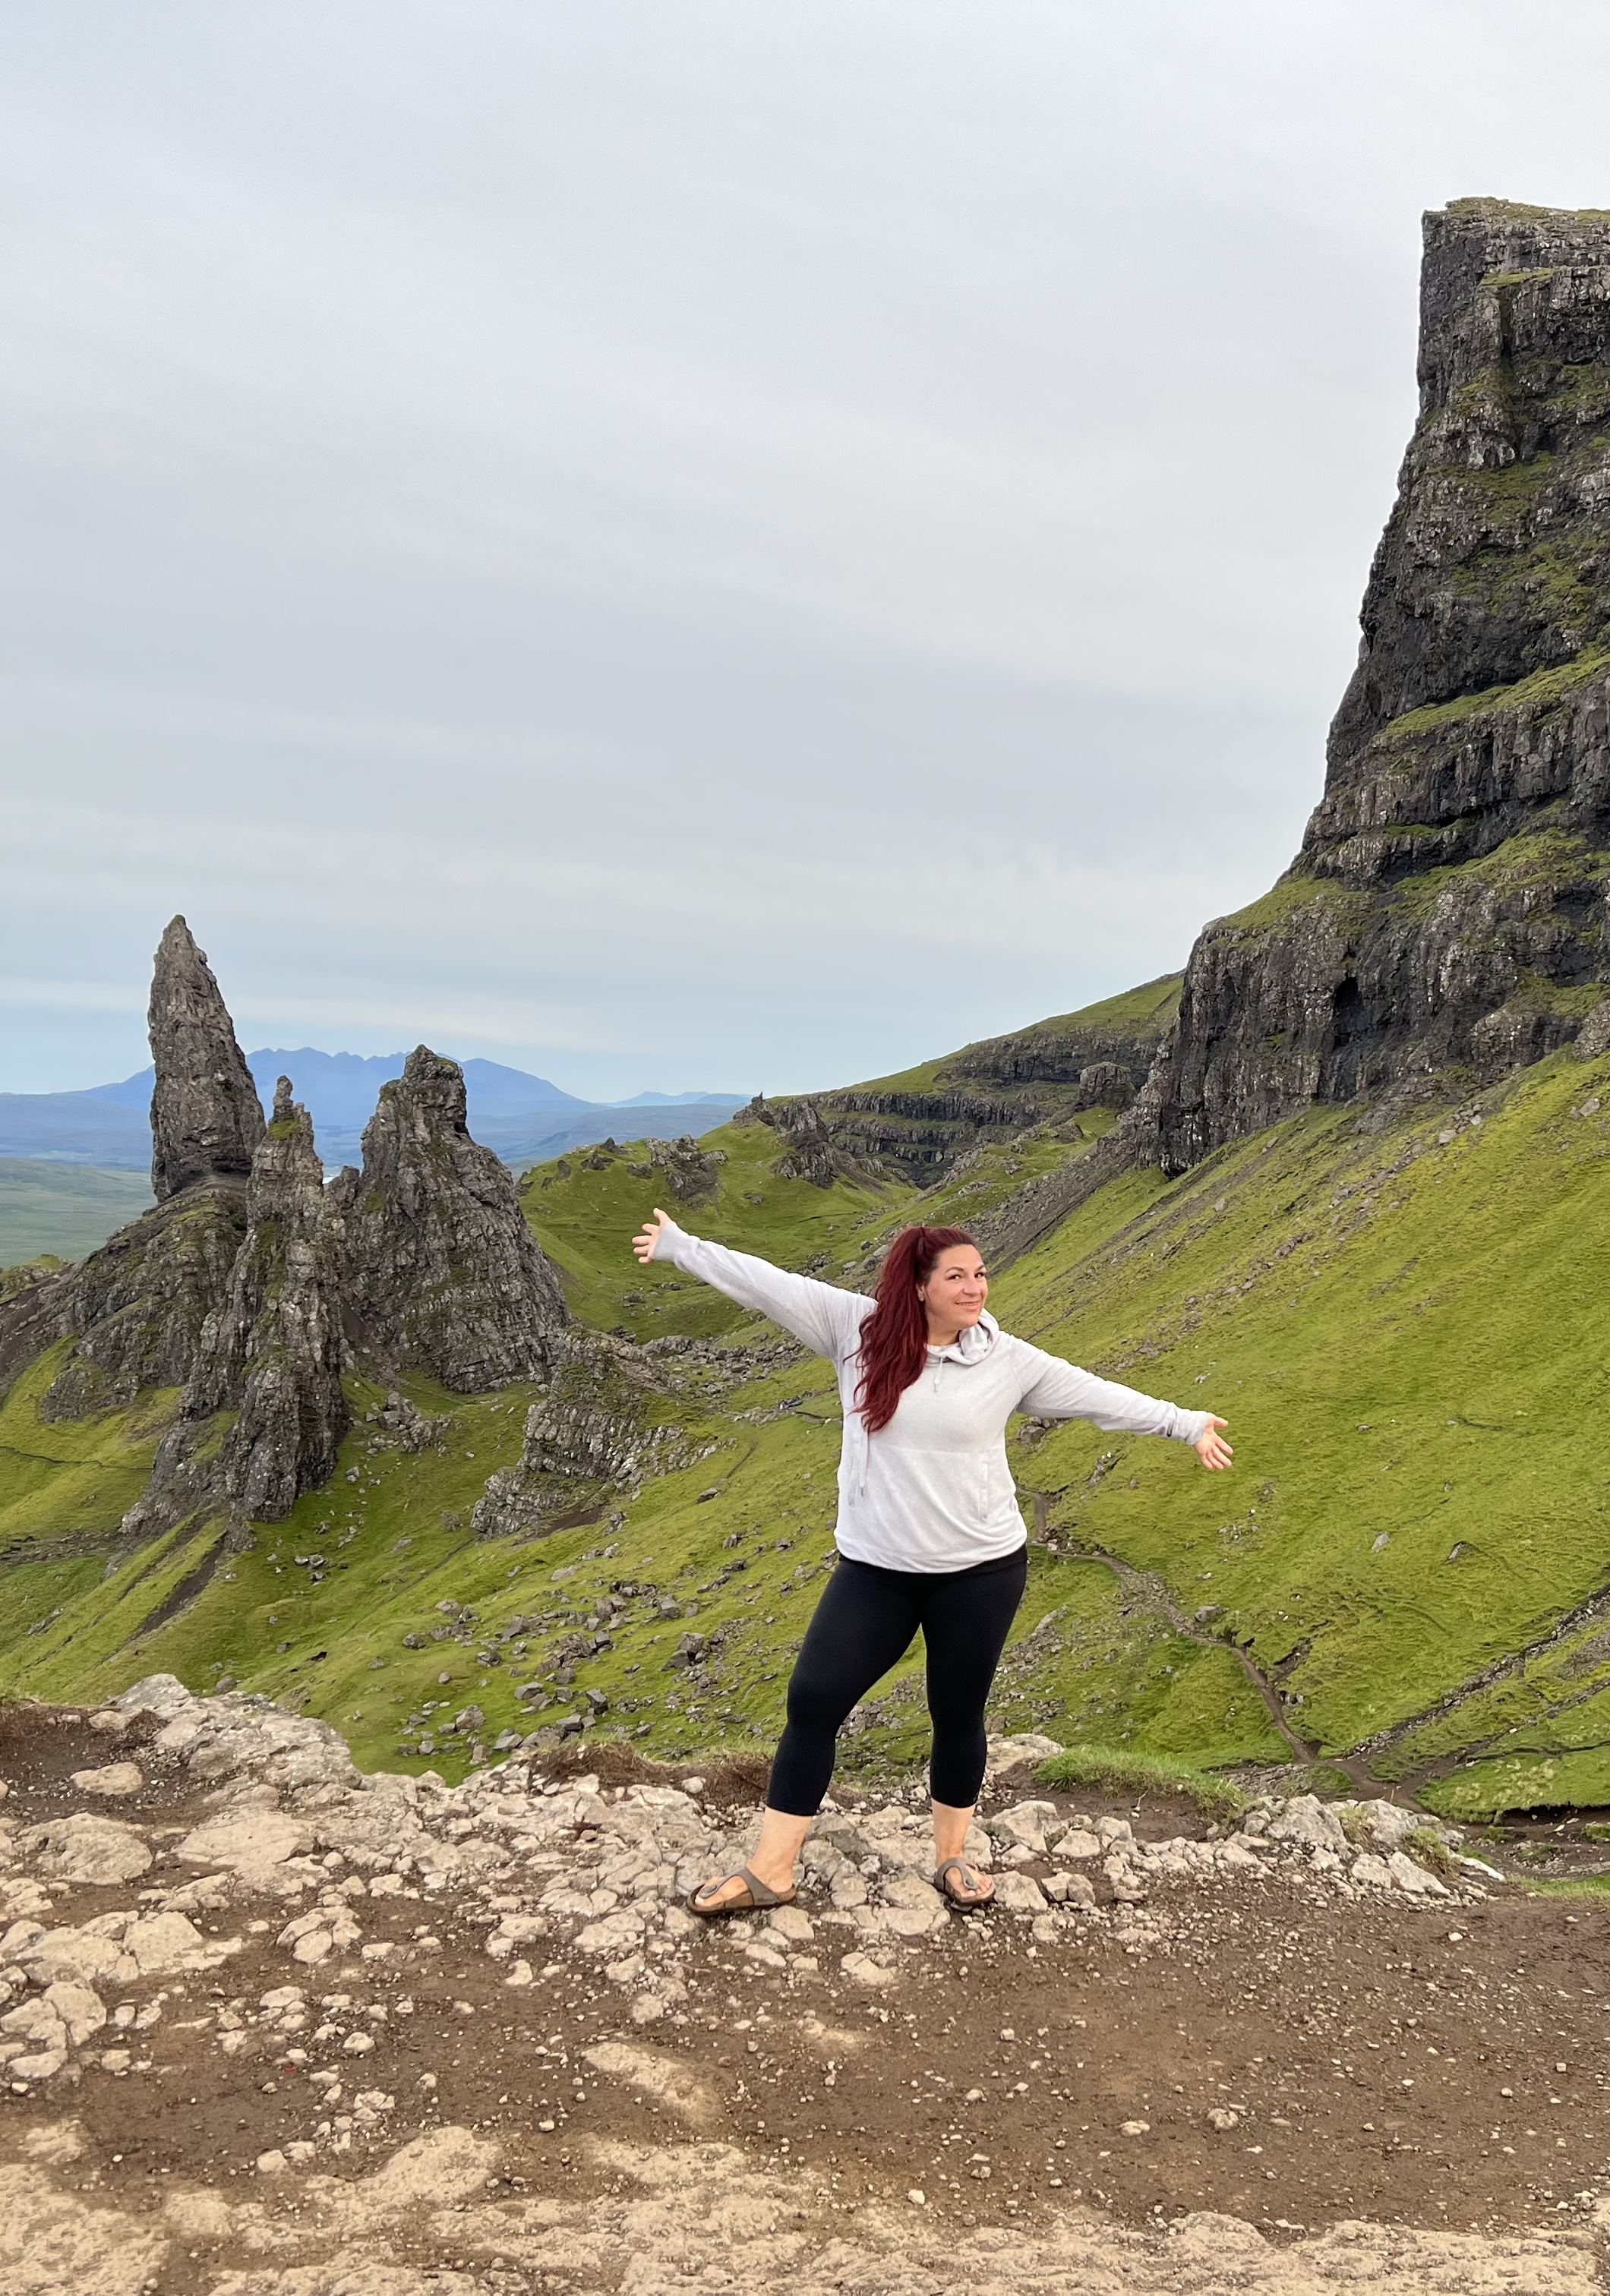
[929, 1533]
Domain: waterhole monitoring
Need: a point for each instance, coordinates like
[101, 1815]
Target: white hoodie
[933, 1489]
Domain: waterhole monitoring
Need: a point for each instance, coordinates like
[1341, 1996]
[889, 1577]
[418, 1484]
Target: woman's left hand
[1211, 1446]
[647, 1244]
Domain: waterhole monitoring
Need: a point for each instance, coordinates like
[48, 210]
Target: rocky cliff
[918, 1128]
[443, 1271]
[1445, 920]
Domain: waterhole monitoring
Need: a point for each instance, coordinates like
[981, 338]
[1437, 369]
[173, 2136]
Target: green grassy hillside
[1409, 1569]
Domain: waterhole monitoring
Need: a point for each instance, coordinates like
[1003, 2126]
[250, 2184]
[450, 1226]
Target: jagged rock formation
[241, 1290]
[206, 1120]
[443, 1271]
[137, 1306]
[591, 1442]
[1446, 920]
[272, 1351]
[34, 1302]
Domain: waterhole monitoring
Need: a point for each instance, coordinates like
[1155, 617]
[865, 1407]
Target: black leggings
[865, 1622]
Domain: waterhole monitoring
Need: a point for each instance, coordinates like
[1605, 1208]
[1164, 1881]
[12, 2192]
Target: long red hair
[894, 1338]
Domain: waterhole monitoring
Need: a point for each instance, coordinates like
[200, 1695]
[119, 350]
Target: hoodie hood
[972, 1345]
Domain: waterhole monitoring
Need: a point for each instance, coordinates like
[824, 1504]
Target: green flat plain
[68, 1210]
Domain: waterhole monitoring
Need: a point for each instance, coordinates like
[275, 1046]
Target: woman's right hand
[648, 1243]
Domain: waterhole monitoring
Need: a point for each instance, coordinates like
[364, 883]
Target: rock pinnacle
[206, 1120]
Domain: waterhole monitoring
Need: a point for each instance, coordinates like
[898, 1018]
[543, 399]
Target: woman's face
[956, 1288]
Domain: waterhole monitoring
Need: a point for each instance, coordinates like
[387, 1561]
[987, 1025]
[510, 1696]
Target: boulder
[116, 1780]
[246, 1845]
[1019, 1893]
[80, 2010]
[81, 1955]
[1307, 1823]
[85, 1849]
[1027, 1824]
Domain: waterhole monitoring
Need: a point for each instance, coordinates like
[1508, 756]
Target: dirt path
[1262, 2086]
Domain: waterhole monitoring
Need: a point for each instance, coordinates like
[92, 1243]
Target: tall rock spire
[138, 1307]
[206, 1120]
[444, 1272]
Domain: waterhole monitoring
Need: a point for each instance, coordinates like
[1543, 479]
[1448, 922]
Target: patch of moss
[1545, 689]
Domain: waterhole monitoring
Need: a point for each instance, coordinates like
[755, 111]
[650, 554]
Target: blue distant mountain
[675, 1100]
[525, 1119]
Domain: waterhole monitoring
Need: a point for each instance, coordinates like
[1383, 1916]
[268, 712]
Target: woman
[929, 1534]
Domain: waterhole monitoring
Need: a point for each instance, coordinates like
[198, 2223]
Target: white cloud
[718, 544]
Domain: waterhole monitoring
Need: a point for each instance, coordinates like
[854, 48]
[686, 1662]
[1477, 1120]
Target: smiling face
[954, 1292]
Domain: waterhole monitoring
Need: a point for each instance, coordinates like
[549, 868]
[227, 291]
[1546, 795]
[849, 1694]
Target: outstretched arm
[1062, 1390]
[828, 1321]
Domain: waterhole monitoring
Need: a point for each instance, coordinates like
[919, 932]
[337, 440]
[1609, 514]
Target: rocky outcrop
[272, 1351]
[444, 1272]
[592, 1441]
[690, 1172]
[137, 1308]
[1030, 1212]
[1446, 918]
[35, 1301]
[206, 1120]
[1106, 1053]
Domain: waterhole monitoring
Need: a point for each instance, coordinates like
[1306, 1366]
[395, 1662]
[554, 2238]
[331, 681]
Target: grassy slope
[587, 1217]
[66, 1208]
[1407, 1334]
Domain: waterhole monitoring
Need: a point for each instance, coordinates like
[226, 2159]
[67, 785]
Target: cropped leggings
[865, 1621]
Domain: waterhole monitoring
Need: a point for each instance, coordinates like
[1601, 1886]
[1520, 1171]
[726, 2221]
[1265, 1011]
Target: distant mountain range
[525, 1119]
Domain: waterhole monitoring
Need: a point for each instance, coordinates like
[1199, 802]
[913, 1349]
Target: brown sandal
[758, 1898]
[941, 1883]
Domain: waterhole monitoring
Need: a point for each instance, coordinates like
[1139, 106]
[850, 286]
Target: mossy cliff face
[1446, 916]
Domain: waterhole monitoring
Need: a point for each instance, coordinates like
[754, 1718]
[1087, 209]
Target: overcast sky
[709, 545]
